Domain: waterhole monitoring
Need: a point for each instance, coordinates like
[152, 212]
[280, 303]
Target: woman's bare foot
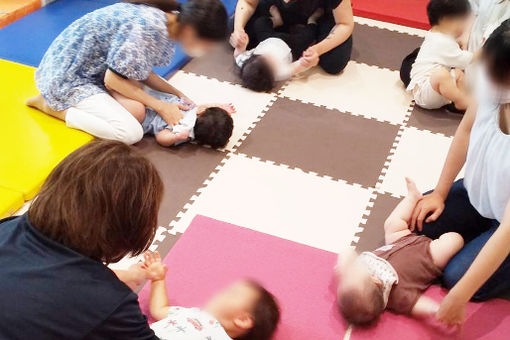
[412, 190]
[276, 17]
[40, 104]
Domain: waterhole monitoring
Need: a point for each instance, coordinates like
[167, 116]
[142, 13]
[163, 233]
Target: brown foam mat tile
[372, 235]
[323, 141]
[382, 47]
[437, 121]
[183, 170]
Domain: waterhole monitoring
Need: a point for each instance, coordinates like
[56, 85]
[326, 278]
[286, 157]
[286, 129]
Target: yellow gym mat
[10, 202]
[31, 143]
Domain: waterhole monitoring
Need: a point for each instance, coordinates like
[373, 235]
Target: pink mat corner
[212, 254]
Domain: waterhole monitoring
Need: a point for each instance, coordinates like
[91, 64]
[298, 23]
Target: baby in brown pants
[394, 276]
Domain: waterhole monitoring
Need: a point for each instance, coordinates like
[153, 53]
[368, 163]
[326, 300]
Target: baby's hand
[155, 270]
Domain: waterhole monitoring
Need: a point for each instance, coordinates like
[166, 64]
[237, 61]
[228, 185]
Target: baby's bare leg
[397, 224]
[445, 247]
[443, 83]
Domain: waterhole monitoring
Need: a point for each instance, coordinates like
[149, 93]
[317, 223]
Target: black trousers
[299, 37]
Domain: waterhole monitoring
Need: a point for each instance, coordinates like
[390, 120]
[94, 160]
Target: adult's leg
[334, 61]
[262, 10]
[298, 38]
[102, 116]
[458, 216]
[497, 285]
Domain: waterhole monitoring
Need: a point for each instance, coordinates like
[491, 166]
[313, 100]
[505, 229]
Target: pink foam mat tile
[211, 254]
[484, 321]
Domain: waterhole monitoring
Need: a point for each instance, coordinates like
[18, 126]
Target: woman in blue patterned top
[92, 75]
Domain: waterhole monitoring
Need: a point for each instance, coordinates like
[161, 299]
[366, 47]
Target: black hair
[266, 315]
[362, 307]
[208, 17]
[439, 9]
[257, 75]
[213, 127]
[496, 52]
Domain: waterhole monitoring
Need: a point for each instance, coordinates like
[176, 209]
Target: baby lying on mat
[395, 275]
[206, 124]
[245, 310]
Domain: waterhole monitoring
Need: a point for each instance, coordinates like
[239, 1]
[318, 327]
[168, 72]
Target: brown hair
[362, 307]
[266, 315]
[101, 201]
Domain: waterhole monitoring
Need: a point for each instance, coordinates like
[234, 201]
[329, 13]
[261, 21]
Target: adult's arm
[157, 83]
[170, 112]
[344, 25]
[243, 13]
[125, 322]
[433, 203]
[492, 255]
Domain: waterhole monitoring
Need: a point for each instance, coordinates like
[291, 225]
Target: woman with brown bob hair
[97, 206]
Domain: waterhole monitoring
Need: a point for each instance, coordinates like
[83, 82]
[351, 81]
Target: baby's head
[257, 73]
[359, 294]
[213, 127]
[452, 15]
[246, 310]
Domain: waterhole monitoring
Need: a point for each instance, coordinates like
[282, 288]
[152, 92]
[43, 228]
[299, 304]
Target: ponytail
[207, 17]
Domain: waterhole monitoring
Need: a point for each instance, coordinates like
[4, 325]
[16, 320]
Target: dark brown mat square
[437, 121]
[183, 170]
[382, 47]
[372, 235]
[325, 141]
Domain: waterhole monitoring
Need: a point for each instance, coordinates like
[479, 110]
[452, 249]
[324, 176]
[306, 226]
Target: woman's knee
[335, 61]
[128, 132]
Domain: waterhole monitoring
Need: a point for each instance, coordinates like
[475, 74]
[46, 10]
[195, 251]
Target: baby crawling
[206, 124]
[396, 275]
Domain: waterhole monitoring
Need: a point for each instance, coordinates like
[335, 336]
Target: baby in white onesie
[437, 74]
[243, 310]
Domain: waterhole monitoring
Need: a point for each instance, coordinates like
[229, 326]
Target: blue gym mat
[25, 40]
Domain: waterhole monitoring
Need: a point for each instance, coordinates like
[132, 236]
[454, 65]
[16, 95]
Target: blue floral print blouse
[129, 39]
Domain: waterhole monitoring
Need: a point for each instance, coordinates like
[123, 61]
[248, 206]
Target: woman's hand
[155, 270]
[239, 38]
[432, 204]
[171, 112]
[310, 57]
[452, 310]
[187, 102]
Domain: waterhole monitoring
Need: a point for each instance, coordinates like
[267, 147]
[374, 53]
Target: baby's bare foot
[275, 16]
[230, 108]
[412, 190]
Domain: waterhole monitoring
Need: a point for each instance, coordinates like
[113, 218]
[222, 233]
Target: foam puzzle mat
[317, 168]
[31, 143]
[212, 254]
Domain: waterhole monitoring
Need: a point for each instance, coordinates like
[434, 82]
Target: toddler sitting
[272, 60]
[395, 275]
[437, 77]
[206, 124]
[244, 310]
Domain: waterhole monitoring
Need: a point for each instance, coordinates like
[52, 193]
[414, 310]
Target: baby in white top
[437, 74]
[271, 60]
[244, 310]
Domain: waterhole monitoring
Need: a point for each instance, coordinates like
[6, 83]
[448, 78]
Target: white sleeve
[454, 56]
[243, 57]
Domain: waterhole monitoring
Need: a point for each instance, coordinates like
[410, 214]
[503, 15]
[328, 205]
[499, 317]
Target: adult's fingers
[416, 212]
[434, 215]
[419, 221]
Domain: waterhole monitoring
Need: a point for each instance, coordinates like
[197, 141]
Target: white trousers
[102, 116]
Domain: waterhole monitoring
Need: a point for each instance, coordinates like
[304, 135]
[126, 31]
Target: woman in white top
[476, 207]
